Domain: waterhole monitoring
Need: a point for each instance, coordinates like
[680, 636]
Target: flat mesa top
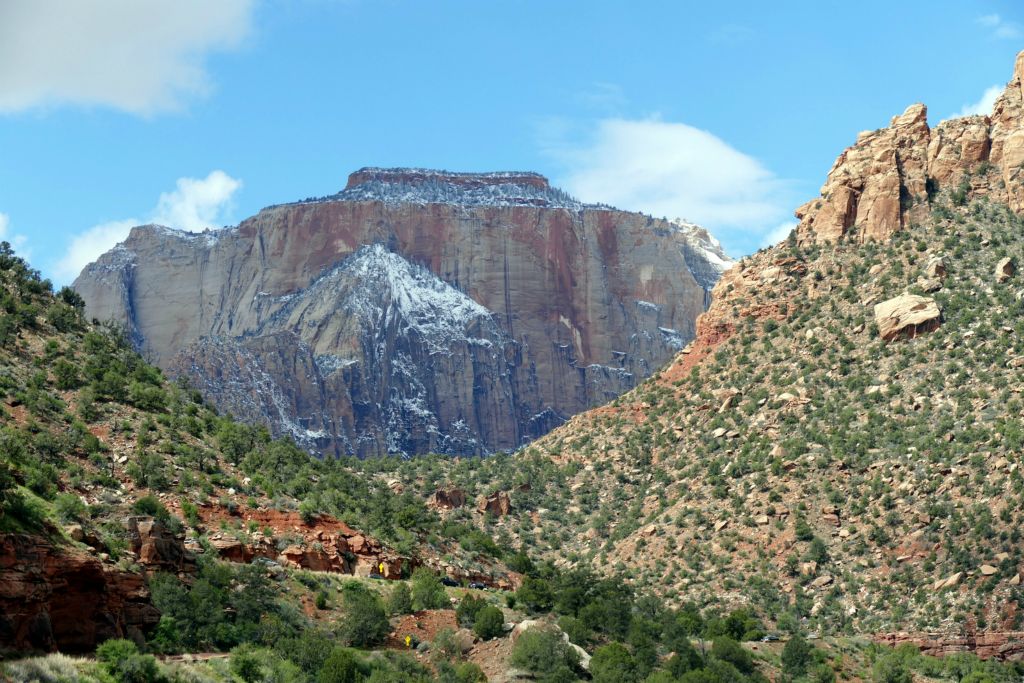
[428, 186]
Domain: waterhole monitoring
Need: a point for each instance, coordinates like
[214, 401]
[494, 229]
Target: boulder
[157, 547]
[936, 268]
[1005, 269]
[907, 315]
[448, 498]
[498, 504]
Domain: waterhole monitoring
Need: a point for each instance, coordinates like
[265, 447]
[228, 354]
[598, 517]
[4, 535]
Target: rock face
[498, 504]
[415, 311]
[906, 316]
[157, 548]
[62, 598]
[883, 182]
[448, 498]
[1001, 645]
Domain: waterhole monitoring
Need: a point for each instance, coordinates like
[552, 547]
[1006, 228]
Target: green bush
[543, 651]
[69, 507]
[467, 610]
[399, 600]
[152, 507]
[728, 650]
[125, 664]
[246, 664]
[796, 656]
[341, 666]
[428, 591]
[489, 623]
[365, 624]
[612, 663]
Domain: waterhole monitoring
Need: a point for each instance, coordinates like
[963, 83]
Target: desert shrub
[399, 600]
[612, 663]
[427, 590]
[125, 664]
[489, 623]
[365, 623]
[543, 651]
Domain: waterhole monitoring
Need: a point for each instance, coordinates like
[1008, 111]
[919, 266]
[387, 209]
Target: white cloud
[18, 242]
[139, 57]
[778, 234]
[194, 205]
[984, 105]
[672, 170]
[86, 247]
[1000, 27]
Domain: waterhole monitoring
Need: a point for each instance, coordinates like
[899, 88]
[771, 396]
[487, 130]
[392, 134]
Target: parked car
[476, 585]
[449, 581]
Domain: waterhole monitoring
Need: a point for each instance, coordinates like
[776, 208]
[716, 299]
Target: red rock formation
[1002, 645]
[157, 548]
[883, 181]
[498, 504]
[58, 597]
[448, 499]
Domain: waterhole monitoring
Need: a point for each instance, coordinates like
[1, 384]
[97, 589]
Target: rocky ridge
[883, 183]
[318, 318]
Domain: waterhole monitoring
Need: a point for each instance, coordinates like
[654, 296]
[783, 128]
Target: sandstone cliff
[884, 181]
[415, 311]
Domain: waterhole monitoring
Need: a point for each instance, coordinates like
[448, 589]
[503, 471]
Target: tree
[543, 651]
[891, 669]
[729, 651]
[468, 608]
[612, 663]
[427, 591]
[796, 656]
[489, 623]
[535, 595]
[125, 664]
[245, 664]
[365, 622]
[341, 666]
[399, 599]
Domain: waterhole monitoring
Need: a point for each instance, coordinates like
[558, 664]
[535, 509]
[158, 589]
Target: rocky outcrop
[498, 504]
[58, 597]
[886, 179]
[326, 544]
[416, 311]
[157, 548]
[1001, 645]
[448, 498]
[907, 315]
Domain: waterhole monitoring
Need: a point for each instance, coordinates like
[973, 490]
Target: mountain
[840, 446]
[415, 311]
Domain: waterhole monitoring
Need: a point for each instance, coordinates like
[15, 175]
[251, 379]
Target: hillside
[136, 522]
[828, 450]
[416, 311]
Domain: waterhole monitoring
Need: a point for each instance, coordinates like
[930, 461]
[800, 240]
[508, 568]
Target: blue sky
[117, 112]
